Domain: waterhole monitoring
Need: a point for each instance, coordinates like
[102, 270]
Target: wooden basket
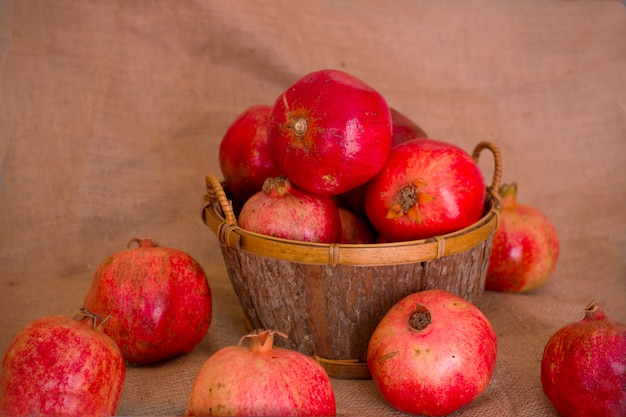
[328, 298]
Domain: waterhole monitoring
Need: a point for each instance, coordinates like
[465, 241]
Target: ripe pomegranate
[244, 155]
[354, 229]
[326, 121]
[285, 211]
[525, 247]
[403, 128]
[432, 353]
[583, 368]
[62, 366]
[426, 188]
[261, 380]
[159, 300]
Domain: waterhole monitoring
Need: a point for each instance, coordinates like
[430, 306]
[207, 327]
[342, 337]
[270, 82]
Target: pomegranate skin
[404, 129]
[159, 300]
[244, 154]
[426, 188]
[583, 368]
[435, 362]
[330, 132]
[525, 248]
[285, 211]
[61, 366]
[261, 380]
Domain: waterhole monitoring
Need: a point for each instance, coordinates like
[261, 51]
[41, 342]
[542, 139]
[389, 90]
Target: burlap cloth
[111, 114]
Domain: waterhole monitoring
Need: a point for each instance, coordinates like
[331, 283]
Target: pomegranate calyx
[420, 318]
[408, 200]
[261, 340]
[277, 186]
[593, 311]
[508, 194]
[97, 321]
[143, 242]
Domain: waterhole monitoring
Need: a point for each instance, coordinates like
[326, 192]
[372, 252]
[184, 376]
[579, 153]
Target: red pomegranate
[525, 247]
[403, 128]
[244, 155]
[432, 353]
[354, 229]
[583, 368]
[285, 211]
[330, 132]
[426, 188]
[158, 298]
[62, 366]
[261, 380]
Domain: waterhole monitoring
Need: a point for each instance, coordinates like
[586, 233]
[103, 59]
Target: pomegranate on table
[158, 298]
[244, 154]
[63, 366]
[525, 247]
[583, 368]
[330, 132]
[432, 353]
[261, 380]
[283, 210]
[426, 188]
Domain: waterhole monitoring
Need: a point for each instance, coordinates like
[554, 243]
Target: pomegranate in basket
[426, 188]
[330, 132]
[244, 155]
[285, 211]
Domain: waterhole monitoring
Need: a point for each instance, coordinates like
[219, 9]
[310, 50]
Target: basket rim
[218, 214]
[333, 254]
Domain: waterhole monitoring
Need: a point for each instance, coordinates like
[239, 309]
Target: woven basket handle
[497, 168]
[215, 192]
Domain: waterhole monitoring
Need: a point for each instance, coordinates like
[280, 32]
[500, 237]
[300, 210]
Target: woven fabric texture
[111, 115]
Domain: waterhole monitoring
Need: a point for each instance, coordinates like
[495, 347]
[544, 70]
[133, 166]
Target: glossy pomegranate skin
[244, 154]
[404, 128]
[261, 380]
[583, 368]
[525, 248]
[438, 369]
[446, 182]
[330, 132]
[61, 366]
[283, 210]
[354, 229]
[159, 300]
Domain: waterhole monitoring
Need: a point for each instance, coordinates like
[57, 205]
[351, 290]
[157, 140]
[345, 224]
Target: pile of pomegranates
[332, 135]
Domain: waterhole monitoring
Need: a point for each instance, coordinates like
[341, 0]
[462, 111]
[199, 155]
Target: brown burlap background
[111, 114]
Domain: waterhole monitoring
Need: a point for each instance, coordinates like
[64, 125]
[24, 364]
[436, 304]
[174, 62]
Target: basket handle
[215, 192]
[497, 168]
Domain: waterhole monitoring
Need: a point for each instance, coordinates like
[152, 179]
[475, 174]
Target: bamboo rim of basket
[219, 215]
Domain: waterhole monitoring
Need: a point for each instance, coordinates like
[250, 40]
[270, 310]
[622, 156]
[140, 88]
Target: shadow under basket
[329, 298]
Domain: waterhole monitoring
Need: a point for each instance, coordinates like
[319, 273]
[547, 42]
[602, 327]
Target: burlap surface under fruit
[111, 114]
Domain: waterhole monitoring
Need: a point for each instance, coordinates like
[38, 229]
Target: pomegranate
[261, 380]
[354, 229]
[426, 188]
[62, 366]
[159, 300]
[244, 154]
[326, 121]
[525, 247]
[432, 353]
[285, 211]
[583, 368]
[403, 128]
